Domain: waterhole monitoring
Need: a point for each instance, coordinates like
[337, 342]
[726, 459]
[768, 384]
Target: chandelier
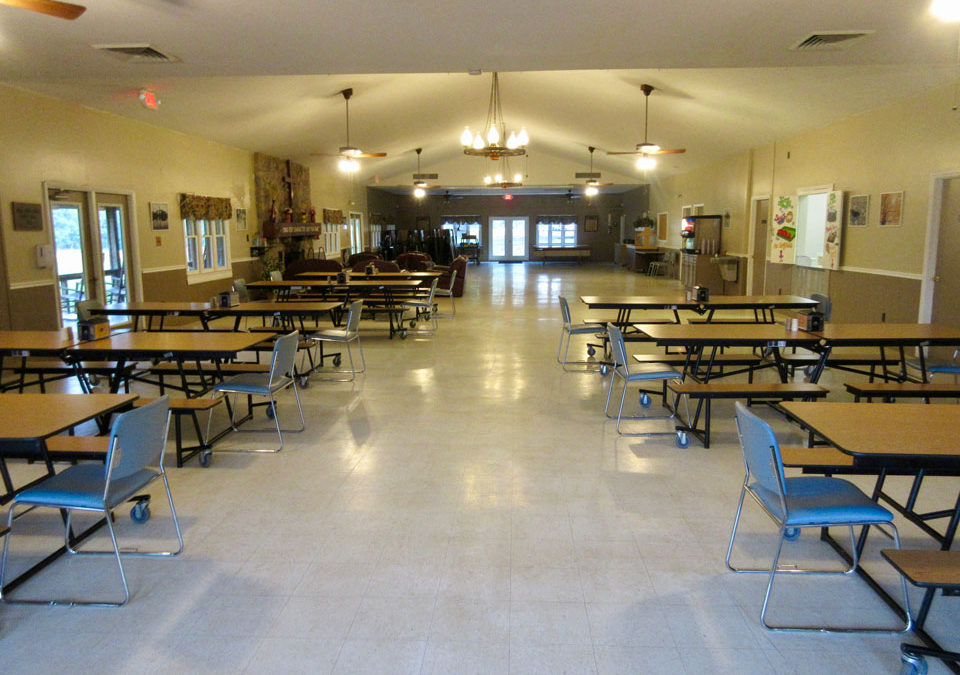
[505, 178]
[496, 131]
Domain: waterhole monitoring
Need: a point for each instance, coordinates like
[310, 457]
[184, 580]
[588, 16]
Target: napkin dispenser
[701, 294]
[94, 328]
[371, 270]
[341, 277]
[810, 320]
[229, 299]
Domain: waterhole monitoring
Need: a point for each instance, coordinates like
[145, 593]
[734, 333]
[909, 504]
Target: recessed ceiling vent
[829, 40]
[138, 53]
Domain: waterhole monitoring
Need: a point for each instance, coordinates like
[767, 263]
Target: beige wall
[46, 139]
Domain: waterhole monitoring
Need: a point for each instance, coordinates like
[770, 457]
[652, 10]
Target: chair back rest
[240, 286]
[84, 307]
[284, 356]
[276, 275]
[617, 348]
[353, 316]
[453, 280]
[823, 304]
[761, 452]
[433, 292]
[137, 441]
[564, 310]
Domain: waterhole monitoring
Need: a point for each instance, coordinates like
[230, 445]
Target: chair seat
[585, 329]
[951, 367]
[252, 383]
[816, 500]
[81, 487]
[335, 335]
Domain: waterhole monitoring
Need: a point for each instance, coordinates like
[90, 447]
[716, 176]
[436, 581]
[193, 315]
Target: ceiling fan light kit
[496, 130]
[646, 149]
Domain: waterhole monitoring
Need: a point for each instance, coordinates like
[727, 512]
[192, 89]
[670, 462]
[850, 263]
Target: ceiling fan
[420, 179]
[592, 177]
[349, 153]
[647, 149]
[61, 10]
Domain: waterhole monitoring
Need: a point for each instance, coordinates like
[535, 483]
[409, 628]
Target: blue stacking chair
[621, 369]
[800, 502]
[280, 377]
[134, 460]
[568, 330]
[349, 333]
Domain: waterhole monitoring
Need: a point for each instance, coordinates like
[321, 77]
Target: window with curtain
[556, 231]
[461, 225]
[206, 237]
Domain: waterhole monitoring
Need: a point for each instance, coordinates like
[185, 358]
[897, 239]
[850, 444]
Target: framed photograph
[241, 216]
[591, 223]
[27, 217]
[858, 211]
[662, 218]
[159, 215]
[891, 209]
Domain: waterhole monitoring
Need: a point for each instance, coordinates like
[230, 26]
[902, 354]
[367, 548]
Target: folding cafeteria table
[905, 438]
[155, 310]
[762, 306]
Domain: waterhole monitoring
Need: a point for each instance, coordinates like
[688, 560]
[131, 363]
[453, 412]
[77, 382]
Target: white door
[508, 238]
[356, 232]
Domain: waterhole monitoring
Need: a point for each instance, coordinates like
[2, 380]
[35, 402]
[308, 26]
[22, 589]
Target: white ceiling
[265, 76]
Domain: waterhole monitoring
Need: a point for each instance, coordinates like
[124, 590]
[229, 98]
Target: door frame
[134, 274]
[931, 243]
[509, 257]
[752, 238]
[360, 243]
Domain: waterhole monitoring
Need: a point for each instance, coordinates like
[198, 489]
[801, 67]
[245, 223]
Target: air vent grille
[829, 40]
[592, 175]
[138, 53]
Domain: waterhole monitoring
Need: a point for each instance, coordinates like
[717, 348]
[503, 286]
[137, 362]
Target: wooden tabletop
[877, 430]
[36, 340]
[269, 307]
[746, 334]
[680, 301]
[330, 283]
[926, 567]
[199, 342]
[378, 275]
[890, 333]
[145, 308]
[25, 417]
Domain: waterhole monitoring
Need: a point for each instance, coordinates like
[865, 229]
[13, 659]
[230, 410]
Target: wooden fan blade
[675, 151]
[625, 152]
[61, 10]
[371, 154]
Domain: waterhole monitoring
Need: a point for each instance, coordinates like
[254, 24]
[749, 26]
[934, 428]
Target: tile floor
[461, 508]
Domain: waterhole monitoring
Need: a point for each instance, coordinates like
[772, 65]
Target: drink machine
[701, 234]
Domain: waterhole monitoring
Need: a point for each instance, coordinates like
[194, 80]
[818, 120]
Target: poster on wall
[662, 219]
[859, 211]
[830, 259]
[783, 233]
[891, 209]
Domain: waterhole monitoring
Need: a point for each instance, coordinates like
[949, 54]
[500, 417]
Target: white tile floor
[462, 508]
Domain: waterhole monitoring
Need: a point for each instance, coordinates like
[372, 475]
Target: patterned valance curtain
[459, 220]
[205, 208]
[333, 216]
[556, 219]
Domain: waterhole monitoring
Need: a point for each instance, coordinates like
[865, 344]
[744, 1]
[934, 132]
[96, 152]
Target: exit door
[508, 238]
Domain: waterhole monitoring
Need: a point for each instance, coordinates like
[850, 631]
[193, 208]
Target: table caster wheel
[140, 513]
[413, 324]
[403, 334]
[604, 369]
[270, 412]
[791, 534]
[808, 371]
[683, 441]
[336, 361]
[205, 458]
[645, 399]
[591, 351]
[912, 665]
[303, 381]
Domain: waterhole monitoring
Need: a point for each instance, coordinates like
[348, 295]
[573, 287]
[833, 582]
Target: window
[375, 236]
[556, 231]
[461, 225]
[207, 248]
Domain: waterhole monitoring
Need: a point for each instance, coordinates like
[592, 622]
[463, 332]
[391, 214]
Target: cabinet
[697, 270]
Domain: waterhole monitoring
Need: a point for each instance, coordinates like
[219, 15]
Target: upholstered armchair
[310, 265]
[363, 257]
[414, 262]
[460, 265]
[381, 265]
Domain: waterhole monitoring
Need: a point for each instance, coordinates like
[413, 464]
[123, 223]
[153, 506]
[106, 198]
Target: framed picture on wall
[591, 223]
[159, 215]
[662, 219]
[891, 209]
[858, 211]
[241, 215]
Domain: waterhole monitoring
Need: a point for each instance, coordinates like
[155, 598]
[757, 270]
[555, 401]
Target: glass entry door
[508, 238]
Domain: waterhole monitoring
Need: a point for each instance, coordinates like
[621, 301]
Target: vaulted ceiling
[265, 76]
